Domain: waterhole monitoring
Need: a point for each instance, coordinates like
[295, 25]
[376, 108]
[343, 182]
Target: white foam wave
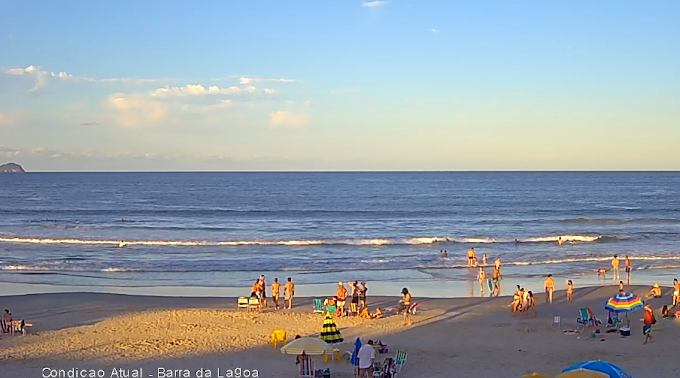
[424, 240]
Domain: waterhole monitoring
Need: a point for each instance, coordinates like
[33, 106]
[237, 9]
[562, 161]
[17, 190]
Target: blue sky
[340, 85]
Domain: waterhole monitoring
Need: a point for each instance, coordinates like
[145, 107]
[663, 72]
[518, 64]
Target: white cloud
[340, 91]
[435, 31]
[198, 90]
[250, 80]
[307, 103]
[12, 117]
[284, 118]
[268, 90]
[373, 4]
[41, 76]
[136, 110]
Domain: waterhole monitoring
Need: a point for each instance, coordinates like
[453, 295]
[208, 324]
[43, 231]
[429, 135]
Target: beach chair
[253, 304]
[307, 368]
[19, 327]
[413, 309]
[353, 309]
[243, 303]
[318, 306]
[377, 369]
[585, 319]
[389, 368]
[332, 309]
[278, 336]
[400, 360]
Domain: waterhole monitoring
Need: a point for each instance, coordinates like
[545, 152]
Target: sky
[339, 85]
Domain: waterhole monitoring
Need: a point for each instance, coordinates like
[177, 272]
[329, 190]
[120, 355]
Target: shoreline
[433, 288]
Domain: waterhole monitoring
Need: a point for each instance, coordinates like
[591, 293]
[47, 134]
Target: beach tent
[610, 370]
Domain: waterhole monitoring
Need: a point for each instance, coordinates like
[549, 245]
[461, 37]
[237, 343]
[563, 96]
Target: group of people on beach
[259, 291]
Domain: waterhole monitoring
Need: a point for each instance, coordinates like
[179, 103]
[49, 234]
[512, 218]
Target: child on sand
[570, 290]
[531, 305]
[620, 286]
[365, 314]
[378, 313]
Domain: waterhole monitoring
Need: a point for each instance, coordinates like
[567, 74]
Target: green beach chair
[400, 359]
[318, 306]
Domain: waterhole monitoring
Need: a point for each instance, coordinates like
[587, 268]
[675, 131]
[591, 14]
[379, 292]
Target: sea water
[208, 231]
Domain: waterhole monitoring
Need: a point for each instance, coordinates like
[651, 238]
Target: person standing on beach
[263, 292]
[648, 321]
[676, 292]
[495, 278]
[288, 292]
[342, 299]
[471, 257]
[366, 356]
[354, 306]
[362, 295]
[406, 306]
[481, 276]
[570, 290]
[276, 289]
[629, 267]
[549, 288]
[615, 267]
[484, 259]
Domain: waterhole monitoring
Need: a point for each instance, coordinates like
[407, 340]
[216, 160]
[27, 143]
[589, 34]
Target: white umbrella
[309, 345]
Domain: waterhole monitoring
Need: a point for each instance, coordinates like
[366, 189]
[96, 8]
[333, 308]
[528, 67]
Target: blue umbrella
[612, 371]
[355, 355]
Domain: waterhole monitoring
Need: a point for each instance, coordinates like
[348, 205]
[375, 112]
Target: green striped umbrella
[330, 332]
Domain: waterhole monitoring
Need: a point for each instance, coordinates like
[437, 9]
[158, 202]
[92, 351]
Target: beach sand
[458, 337]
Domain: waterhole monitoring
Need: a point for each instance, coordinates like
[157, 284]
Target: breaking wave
[312, 242]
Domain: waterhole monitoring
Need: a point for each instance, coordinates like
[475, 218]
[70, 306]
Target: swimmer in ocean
[559, 240]
[443, 253]
[516, 241]
[122, 244]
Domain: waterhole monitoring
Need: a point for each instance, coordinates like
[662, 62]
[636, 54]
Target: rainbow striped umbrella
[624, 302]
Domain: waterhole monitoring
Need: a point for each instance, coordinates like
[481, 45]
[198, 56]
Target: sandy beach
[459, 337]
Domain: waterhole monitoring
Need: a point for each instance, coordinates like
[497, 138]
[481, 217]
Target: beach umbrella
[582, 373]
[355, 355]
[330, 332]
[624, 302]
[309, 345]
[611, 371]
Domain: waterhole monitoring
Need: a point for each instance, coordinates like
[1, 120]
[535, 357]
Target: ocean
[222, 230]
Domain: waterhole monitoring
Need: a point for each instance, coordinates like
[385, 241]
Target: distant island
[11, 168]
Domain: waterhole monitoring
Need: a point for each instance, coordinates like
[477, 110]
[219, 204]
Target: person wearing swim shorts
[342, 299]
[629, 268]
[549, 288]
[471, 257]
[648, 321]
